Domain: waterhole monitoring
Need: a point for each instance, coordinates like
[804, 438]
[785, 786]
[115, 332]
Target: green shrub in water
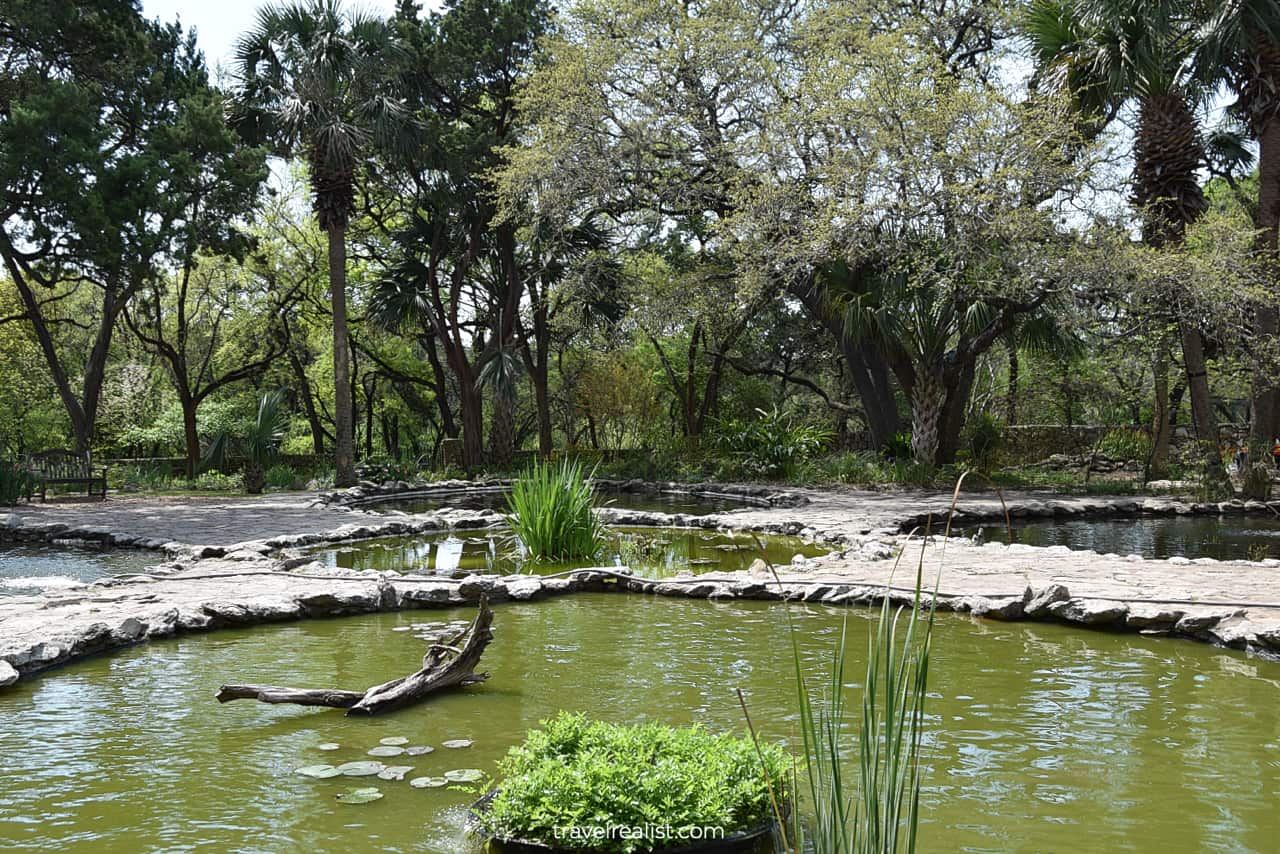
[551, 511]
[576, 773]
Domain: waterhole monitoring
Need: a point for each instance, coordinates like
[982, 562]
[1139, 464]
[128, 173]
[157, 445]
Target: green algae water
[649, 552]
[1040, 738]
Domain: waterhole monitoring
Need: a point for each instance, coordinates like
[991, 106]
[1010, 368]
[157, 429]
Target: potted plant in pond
[580, 785]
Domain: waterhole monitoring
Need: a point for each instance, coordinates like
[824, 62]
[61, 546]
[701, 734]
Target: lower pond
[651, 552]
[33, 568]
[1220, 537]
[496, 499]
[1040, 737]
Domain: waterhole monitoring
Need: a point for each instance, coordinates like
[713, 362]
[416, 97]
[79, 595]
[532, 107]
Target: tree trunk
[343, 412]
[955, 406]
[471, 413]
[191, 434]
[927, 398]
[1206, 425]
[1161, 429]
[1266, 398]
[502, 430]
[1011, 393]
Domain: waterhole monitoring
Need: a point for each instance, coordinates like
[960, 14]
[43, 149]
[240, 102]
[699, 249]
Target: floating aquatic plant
[360, 769]
[457, 743]
[320, 772]
[359, 796]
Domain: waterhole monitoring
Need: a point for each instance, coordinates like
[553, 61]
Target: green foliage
[769, 444]
[1126, 443]
[984, 437]
[16, 483]
[878, 812]
[579, 773]
[281, 476]
[898, 447]
[865, 468]
[551, 512]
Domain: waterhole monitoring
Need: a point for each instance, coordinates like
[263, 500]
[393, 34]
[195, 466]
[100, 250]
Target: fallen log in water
[450, 665]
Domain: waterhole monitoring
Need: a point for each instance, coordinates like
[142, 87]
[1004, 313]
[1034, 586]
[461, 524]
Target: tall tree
[312, 81]
[1239, 46]
[139, 176]
[1107, 53]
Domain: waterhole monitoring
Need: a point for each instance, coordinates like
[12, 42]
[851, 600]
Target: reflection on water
[27, 568]
[1220, 537]
[1041, 738]
[652, 552]
[496, 499]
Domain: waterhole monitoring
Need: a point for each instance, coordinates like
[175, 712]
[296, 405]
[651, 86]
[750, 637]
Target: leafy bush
[281, 476]
[551, 511]
[771, 444]
[984, 437]
[579, 773]
[898, 448]
[15, 483]
[149, 476]
[213, 481]
[1126, 444]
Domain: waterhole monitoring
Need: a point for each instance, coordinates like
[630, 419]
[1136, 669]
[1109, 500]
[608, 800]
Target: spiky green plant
[551, 510]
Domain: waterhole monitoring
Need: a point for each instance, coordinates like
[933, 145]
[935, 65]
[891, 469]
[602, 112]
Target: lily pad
[428, 782]
[328, 745]
[394, 772]
[464, 775]
[320, 772]
[359, 796]
[457, 743]
[360, 769]
[386, 750]
[393, 740]
[419, 750]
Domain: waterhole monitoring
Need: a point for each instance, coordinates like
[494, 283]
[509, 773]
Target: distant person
[1275, 452]
[1242, 457]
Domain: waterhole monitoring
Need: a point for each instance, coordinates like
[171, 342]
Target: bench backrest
[60, 463]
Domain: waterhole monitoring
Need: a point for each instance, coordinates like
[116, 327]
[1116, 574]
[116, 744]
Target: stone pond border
[203, 588]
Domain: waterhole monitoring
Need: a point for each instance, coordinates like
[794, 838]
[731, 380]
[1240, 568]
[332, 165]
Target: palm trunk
[502, 430]
[343, 413]
[928, 397]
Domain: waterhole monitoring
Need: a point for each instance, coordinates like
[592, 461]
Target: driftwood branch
[444, 666]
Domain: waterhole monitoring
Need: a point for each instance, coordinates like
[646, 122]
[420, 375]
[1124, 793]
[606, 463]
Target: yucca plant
[551, 510]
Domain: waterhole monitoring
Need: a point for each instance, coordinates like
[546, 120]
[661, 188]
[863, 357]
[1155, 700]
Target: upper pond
[30, 568]
[1220, 537]
[496, 499]
[1041, 738]
[651, 552]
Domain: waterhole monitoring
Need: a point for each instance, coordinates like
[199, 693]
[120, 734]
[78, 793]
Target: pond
[1220, 537]
[496, 499]
[1041, 737]
[27, 568]
[651, 552]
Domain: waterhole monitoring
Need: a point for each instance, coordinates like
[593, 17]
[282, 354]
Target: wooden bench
[61, 467]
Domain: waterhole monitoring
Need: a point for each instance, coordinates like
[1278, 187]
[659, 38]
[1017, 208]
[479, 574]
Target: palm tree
[311, 81]
[1105, 53]
[1239, 47]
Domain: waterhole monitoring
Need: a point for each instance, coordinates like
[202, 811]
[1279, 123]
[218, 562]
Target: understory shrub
[574, 772]
[15, 483]
[551, 511]
[282, 476]
[770, 444]
[1126, 443]
[984, 437]
[898, 447]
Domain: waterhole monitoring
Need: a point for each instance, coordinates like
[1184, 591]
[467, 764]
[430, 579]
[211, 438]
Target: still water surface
[1042, 738]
